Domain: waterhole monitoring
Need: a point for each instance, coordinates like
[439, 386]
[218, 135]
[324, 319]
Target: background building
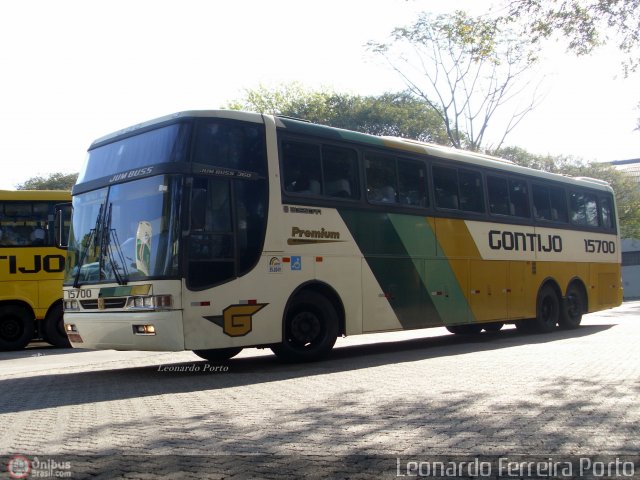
[630, 246]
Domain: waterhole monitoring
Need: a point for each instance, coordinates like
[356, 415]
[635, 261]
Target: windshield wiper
[92, 235]
[108, 235]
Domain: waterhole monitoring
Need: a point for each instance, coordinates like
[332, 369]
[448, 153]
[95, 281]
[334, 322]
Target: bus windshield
[162, 145]
[128, 231]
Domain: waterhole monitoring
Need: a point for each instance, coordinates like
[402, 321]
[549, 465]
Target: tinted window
[162, 145]
[340, 172]
[458, 189]
[445, 184]
[470, 191]
[228, 144]
[412, 183]
[381, 178]
[607, 213]
[583, 209]
[549, 203]
[26, 223]
[498, 189]
[508, 196]
[301, 168]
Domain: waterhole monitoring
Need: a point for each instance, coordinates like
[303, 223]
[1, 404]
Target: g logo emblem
[237, 320]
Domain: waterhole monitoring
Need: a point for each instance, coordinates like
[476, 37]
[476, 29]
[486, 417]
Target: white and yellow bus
[213, 231]
[31, 269]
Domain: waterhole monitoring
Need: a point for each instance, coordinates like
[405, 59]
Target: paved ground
[368, 410]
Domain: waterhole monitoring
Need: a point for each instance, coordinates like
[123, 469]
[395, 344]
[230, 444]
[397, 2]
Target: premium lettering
[322, 233]
[524, 242]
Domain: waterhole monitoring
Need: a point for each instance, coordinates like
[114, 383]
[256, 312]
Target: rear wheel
[547, 310]
[218, 354]
[53, 328]
[310, 328]
[492, 327]
[17, 326]
[574, 305]
[468, 329]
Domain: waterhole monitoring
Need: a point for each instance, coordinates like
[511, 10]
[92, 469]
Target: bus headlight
[71, 305]
[149, 302]
[144, 330]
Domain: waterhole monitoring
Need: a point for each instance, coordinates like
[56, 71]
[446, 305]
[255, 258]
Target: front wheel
[218, 354]
[17, 327]
[310, 329]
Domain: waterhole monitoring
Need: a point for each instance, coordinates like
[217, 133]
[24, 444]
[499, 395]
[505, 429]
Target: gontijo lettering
[46, 263]
[524, 242]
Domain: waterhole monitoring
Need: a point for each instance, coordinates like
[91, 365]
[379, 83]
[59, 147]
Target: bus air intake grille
[108, 303]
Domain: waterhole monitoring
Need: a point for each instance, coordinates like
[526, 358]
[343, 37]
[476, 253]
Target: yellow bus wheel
[53, 328]
[16, 327]
[573, 306]
[547, 310]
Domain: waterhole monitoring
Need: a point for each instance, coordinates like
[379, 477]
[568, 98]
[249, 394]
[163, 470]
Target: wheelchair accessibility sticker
[296, 263]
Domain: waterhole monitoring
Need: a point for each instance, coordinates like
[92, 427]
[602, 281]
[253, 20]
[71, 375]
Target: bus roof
[58, 195]
[403, 144]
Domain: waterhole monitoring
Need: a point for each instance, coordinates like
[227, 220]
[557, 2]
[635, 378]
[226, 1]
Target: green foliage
[55, 181]
[585, 24]
[625, 187]
[394, 114]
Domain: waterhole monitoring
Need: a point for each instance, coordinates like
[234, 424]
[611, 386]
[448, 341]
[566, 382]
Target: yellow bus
[213, 231]
[31, 269]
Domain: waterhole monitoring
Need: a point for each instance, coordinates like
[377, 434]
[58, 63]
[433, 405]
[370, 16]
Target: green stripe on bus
[437, 276]
[397, 274]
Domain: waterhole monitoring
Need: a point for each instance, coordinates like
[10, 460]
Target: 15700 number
[599, 246]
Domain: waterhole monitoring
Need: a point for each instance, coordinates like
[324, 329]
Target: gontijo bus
[213, 231]
[31, 268]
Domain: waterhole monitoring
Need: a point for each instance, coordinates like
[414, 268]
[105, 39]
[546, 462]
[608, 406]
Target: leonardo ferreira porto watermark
[505, 467]
[194, 368]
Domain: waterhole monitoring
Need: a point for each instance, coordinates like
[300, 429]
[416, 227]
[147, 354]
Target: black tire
[573, 306]
[526, 325]
[310, 329]
[547, 310]
[53, 328]
[17, 326]
[467, 329]
[492, 327]
[218, 354]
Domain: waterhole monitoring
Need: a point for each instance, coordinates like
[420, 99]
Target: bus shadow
[78, 388]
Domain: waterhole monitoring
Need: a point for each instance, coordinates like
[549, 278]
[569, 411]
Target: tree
[467, 69]
[624, 186]
[585, 24]
[55, 181]
[395, 114]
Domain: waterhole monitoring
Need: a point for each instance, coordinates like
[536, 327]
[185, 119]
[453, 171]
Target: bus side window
[412, 187]
[381, 178]
[607, 213]
[301, 168]
[498, 195]
[445, 184]
[518, 198]
[340, 171]
[471, 191]
[583, 209]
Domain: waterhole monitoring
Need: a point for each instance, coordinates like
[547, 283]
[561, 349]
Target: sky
[75, 70]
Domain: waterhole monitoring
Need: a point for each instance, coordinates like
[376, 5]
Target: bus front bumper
[153, 331]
